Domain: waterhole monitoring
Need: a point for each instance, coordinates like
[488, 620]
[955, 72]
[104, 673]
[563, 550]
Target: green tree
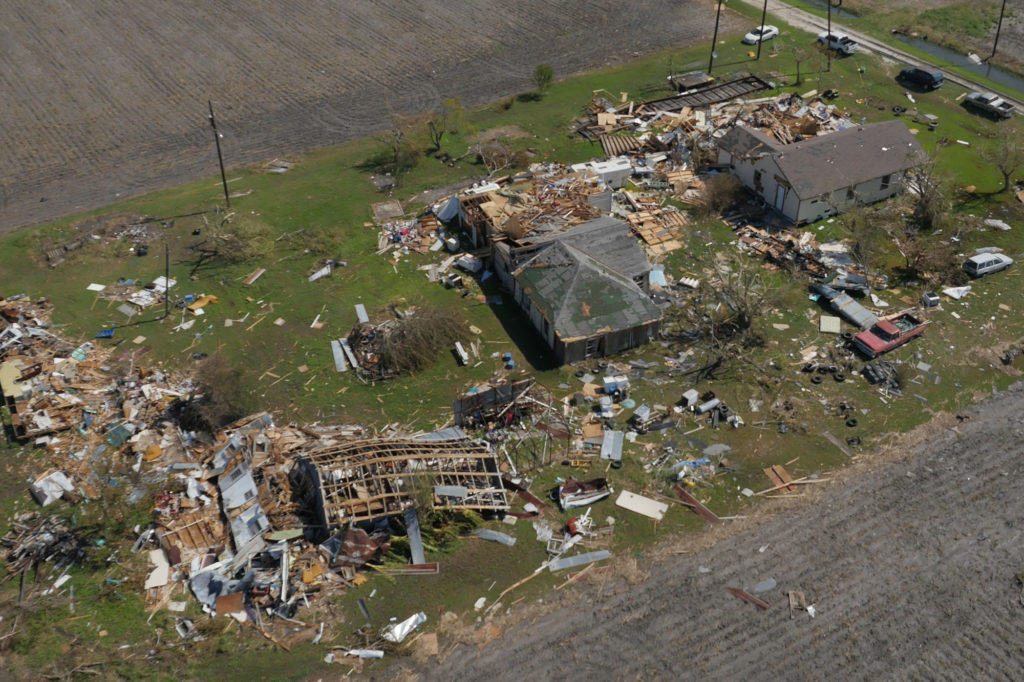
[543, 75]
[1007, 155]
[449, 118]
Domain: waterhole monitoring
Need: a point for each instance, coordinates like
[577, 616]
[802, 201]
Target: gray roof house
[818, 177]
[584, 288]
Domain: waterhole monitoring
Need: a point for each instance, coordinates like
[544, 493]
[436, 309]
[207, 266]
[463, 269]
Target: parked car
[921, 76]
[990, 103]
[760, 34]
[840, 42]
[887, 334]
[986, 263]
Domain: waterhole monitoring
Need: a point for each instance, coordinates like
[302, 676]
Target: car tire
[816, 379]
[851, 422]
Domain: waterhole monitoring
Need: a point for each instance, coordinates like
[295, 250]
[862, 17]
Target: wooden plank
[779, 477]
[747, 597]
[695, 504]
[838, 443]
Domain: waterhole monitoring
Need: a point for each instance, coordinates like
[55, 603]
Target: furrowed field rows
[108, 99]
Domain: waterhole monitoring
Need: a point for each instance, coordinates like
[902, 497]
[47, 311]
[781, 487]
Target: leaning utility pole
[999, 27]
[220, 157]
[714, 40]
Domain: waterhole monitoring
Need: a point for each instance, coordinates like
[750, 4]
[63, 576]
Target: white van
[986, 263]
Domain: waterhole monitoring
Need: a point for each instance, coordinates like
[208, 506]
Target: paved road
[798, 18]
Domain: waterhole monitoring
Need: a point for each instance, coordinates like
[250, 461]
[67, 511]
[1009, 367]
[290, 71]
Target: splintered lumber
[780, 478]
[695, 504]
[747, 597]
[788, 484]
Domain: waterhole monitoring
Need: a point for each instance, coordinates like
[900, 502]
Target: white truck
[840, 42]
[990, 103]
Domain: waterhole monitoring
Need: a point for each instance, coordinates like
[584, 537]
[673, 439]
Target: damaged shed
[366, 479]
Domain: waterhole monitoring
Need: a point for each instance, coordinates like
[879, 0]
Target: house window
[886, 180]
[850, 196]
[593, 349]
[758, 186]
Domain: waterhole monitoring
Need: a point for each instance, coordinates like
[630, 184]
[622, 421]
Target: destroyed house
[818, 177]
[367, 479]
[584, 288]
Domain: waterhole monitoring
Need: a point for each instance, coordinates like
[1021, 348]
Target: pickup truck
[887, 334]
[840, 42]
[990, 103]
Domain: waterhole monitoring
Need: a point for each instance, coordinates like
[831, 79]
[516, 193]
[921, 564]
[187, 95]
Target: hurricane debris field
[910, 568]
[107, 100]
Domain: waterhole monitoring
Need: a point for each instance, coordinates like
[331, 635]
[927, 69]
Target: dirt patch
[103, 103]
[501, 133]
[909, 557]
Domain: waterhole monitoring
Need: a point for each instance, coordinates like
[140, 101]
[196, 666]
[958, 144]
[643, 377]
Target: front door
[780, 197]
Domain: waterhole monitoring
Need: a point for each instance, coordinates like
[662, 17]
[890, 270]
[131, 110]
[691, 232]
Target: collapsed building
[368, 479]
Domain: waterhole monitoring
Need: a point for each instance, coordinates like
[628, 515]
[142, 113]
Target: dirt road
[105, 99]
[911, 568]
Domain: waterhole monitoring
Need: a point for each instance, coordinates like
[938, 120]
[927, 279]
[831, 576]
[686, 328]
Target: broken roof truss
[367, 479]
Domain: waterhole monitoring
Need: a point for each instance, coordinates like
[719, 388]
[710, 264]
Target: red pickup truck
[889, 333]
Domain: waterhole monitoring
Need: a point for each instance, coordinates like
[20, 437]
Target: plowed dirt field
[103, 99]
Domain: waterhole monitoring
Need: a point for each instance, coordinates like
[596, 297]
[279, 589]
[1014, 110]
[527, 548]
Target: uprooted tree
[236, 238]
[721, 191]
[497, 156]
[731, 302]
[219, 398]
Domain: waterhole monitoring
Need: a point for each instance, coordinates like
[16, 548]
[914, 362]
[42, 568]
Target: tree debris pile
[405, 345]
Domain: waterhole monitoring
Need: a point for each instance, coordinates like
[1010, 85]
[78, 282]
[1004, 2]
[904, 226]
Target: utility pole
[764, 13]
[999, 27]
[828, 38]
[167, 281]
[714, 40]
[220, 157]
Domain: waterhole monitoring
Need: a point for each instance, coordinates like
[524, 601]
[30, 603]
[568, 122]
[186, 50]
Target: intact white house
[818, 177]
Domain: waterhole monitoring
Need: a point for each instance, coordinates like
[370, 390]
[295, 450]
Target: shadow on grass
[520, 331]
[529, 97]
[380, 161]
